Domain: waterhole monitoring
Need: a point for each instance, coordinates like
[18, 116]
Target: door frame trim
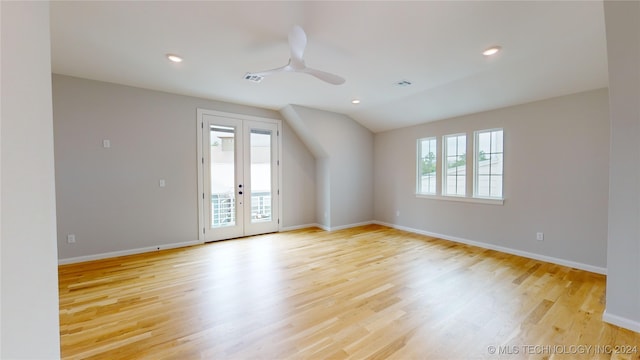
[200, 156]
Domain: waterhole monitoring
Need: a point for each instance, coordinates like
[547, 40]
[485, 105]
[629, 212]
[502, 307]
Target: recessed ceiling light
[174, 58]
[491, 51]
[355, 101]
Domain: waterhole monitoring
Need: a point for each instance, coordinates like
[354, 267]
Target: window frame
[419, 190]
[445, 155]
[476, 160]
[471, 169]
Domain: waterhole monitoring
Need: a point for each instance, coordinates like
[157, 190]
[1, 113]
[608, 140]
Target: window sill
[462, 199]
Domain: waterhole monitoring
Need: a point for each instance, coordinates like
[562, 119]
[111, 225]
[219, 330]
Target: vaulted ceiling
[548, 49]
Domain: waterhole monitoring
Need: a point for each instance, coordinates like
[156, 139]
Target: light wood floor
[364, 293]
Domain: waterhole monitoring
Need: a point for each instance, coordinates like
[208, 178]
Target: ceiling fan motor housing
[253, 77]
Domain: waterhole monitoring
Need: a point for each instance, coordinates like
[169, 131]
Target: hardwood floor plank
[364, 293]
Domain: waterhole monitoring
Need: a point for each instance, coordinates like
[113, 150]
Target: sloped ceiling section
[549, 49]
[340, 145]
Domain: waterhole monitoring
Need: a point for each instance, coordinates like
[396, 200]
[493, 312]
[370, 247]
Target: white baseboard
[113, 254]
[189, 243]
[621, 321]
[530, 255]
[326, 228]
[298, 227]
[554, 260]
[348, 226]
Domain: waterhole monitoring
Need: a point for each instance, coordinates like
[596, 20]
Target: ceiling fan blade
[324, 76]
[297, 44]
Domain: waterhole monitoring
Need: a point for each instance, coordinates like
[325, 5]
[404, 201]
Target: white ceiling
[549, 49]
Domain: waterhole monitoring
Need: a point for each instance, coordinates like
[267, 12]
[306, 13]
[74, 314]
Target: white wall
[110, 198]
[556, 161]
[622, 20]
[30, 325]
[344, 170]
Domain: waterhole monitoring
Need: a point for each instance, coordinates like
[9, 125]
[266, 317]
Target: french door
[240, 176]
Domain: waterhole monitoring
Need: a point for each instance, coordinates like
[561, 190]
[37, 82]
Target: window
[488, 163]
[427, 158]
[450, 165]
[455, 165]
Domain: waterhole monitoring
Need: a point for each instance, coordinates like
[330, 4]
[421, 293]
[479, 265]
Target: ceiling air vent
[403, 83]
[253, 77]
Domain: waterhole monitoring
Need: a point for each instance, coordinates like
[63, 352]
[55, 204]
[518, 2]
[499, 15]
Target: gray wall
[343, 149]
[556, 180]
[110, 198]
[623, 46]
[29, 289]
[298, 183]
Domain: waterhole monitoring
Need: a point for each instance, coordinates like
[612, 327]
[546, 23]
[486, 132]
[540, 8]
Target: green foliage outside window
[428, 164]
[460, 161]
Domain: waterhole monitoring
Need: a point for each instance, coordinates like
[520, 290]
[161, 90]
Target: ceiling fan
[297, 43]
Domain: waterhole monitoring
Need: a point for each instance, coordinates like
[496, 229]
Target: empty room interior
[320, 180]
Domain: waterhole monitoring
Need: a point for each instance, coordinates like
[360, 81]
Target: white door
[240, 177]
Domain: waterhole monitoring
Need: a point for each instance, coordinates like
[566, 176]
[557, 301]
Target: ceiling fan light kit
[297, 44]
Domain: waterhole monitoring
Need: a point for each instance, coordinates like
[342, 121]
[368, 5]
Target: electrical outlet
[540, 236]
[398, 213]
[71, 239]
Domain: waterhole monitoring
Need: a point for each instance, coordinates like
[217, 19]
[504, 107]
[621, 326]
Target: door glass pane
[223, 195]
[260, 141]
